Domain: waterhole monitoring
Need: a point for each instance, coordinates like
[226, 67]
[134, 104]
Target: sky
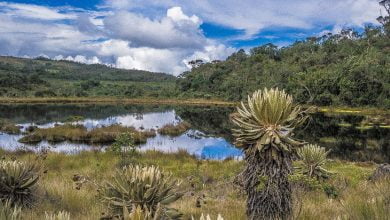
[163, 35]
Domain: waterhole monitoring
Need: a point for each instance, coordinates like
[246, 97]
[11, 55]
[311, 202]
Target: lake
[349, 137]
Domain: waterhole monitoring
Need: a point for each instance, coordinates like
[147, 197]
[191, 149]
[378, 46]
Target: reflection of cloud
[206, 147]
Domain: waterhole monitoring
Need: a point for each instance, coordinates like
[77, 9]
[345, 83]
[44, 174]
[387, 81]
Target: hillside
[43, 77]
[348, 69]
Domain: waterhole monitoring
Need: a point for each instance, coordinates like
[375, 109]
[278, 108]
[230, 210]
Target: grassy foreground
[208, 186]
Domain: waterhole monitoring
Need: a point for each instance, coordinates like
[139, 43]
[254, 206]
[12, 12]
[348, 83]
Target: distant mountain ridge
[41, 77]
[63, 69]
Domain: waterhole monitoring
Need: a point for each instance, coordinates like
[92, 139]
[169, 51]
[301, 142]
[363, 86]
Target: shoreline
[196, 102]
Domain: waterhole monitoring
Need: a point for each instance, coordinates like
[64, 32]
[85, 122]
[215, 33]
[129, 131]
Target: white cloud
[34, 11]
[177, 15]
[176, 30]
[255, 15]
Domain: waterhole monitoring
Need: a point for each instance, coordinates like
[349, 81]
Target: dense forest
[349, 69]
[42, 77]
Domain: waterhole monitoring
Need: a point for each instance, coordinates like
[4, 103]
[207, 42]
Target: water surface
[348, 136]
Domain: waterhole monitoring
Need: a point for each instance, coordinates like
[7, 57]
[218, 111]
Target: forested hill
[348, 69]
[42, 77]
[51, 69]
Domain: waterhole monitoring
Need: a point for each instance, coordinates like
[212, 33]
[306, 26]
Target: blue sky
[163, 35]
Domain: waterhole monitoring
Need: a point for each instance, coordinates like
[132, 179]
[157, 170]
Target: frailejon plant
[264, 131]
[313, 158]
[18, 182]
[9, 212]
[144, 186]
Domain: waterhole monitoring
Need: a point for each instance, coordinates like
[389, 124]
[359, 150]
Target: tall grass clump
[313, 158]
[9, 212]
[368, 201]
[146, 187]
[264, 127]
[61, 215]
[18, 182]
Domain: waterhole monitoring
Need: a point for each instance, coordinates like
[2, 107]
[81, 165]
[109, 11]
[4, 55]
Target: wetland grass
[173, 130]
[80, 134]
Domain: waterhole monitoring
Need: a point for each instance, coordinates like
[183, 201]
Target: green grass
[210, 180]
[80, 134]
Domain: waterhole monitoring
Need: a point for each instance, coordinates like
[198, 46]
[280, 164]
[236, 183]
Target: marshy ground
[208, 186]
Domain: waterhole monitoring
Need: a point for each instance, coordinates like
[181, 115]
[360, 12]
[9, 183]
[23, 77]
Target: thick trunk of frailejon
[265, 180]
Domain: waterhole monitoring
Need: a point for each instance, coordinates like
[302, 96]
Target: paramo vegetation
[349, 68]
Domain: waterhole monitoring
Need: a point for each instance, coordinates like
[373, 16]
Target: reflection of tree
[210, 120]
[139, 116]
[347, 143]
[44, 113]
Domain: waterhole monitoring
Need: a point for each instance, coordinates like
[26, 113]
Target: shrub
[313, 158]
[7, 212]
[17, 182]
[144, 186]
[124, 143]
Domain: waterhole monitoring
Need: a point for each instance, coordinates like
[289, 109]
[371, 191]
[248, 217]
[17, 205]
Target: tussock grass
[205, 183]
[174, 130]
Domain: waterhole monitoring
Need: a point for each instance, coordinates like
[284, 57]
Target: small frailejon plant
[9, 212]
[18, 182]
[61, 215]
[144, 186]
[314, 158]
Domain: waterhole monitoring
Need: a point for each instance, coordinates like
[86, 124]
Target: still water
[350, 137]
